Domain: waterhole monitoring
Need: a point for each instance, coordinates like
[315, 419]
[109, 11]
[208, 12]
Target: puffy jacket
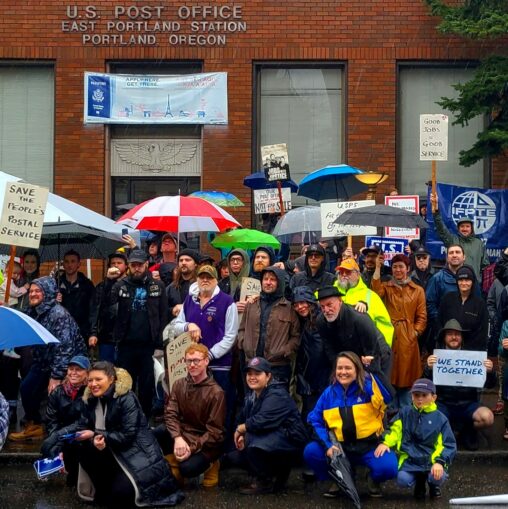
[54, 357]
[355, 417]
[132, 443]
[272, 420]
[375, 307]
[197, 413]
[421, 437]
[474, 248]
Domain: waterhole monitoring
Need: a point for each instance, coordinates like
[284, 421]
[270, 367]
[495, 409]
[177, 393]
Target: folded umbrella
[381, 215]
[19, 329]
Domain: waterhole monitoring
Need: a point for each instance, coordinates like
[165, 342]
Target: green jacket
[474, 248]
[375, 307]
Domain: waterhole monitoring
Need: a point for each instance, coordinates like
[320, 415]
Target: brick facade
[369, 36]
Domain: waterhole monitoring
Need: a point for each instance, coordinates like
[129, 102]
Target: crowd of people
[319, 362]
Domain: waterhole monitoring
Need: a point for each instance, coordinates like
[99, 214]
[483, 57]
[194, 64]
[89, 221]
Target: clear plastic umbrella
[299, 226]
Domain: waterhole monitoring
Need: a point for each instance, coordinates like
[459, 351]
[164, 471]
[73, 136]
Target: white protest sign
[406, 202]
[266, 201]
[250, 287]
[433, 137]
[23, 214]
[331, 211]
[175, 358]
[460, 368]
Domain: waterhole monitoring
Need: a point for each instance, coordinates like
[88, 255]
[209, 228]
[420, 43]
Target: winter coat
[177, 295]
[77, 298]
[272, 421]
[422, 278]
[472, 315]
[132, 444]
[474, 248]
[375, 307]
[197, 413]
[313, 367]
[102, 322]
[406, 306]
[354, 417]
[439, 285]
[421, 438]
[54, 357]
[61, 412]
[351, 331]
[318, 280]
[122, 298]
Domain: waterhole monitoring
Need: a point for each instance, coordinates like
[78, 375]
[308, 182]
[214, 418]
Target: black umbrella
[381, 215]
[340, 471]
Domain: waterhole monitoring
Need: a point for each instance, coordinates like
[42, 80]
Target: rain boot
[211, 478]
[171, 459]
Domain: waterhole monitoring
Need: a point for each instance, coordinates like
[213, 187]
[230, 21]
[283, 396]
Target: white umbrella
[301, 225]
[68, 225]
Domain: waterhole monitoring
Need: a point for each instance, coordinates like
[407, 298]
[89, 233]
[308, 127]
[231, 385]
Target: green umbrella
[246, 239]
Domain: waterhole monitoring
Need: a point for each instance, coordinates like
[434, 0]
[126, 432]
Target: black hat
[421, 251]
[465, 272]
[259, 364]
[370, 250]
[117, 254]
[303, 294]
[327, 291]
[315, 248]
[190, 253]
[138, 255]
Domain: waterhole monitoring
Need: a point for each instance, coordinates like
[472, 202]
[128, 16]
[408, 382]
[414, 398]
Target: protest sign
[267, 201]
[460, 368]
[389, 246]
[407, 202]
[275, 162]
[23, 214]
[175, 358]
[330, 212]
[250, 287]
[433, 137]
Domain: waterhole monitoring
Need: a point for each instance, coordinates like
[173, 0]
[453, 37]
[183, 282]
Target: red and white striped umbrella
[178, 214]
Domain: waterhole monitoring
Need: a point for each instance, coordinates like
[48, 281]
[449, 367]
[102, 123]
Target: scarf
[70, 389]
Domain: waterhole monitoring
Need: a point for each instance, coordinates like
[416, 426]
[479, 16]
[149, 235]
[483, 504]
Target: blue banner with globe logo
[98, 93]
[487, 208]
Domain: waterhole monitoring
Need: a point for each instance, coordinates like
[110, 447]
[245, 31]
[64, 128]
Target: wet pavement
[20, 489]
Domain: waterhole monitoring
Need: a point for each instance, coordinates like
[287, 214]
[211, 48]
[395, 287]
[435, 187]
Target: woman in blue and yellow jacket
[350, 411]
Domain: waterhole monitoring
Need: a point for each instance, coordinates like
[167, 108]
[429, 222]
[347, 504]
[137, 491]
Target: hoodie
[321, 278]
[271, 254]
[54, 357]
[232, 284]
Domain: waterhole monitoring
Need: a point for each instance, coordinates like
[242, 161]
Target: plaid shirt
[488, 278]
[4, 420]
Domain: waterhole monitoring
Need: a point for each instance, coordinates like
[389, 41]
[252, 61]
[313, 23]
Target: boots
[170, 458]
[31, 431]
[211, 478]
[420, 485]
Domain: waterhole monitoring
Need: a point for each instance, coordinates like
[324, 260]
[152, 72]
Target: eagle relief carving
[156, 157]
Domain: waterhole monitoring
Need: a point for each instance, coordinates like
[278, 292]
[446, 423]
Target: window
[27, 122]
[302, 106]
[419, 89]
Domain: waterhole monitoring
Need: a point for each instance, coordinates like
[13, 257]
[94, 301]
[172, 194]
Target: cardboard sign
[250, 286]
[389, 246]
[275, 162]
[331, 211]
[175, 357]
[266, 201]
[460, 368]
[408, 202]
[433, 137]
[23, 214]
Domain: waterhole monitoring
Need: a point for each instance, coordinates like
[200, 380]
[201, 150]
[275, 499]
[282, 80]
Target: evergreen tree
[487, 92]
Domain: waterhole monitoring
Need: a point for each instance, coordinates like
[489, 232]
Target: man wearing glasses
[315, 275]
[194, 421]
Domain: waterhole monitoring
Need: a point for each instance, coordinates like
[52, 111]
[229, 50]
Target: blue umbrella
[335, 182]
[19, 329]
[258, 181]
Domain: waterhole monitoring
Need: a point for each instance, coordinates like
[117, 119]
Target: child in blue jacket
[424, 441]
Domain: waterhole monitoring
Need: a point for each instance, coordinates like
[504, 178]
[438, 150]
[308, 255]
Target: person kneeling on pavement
[270, 434]
[65, 406]
[462, 404]
[195, 415]
[351, 411]
[424, 442]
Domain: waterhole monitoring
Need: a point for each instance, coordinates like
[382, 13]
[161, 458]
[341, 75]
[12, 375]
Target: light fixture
[371, 179]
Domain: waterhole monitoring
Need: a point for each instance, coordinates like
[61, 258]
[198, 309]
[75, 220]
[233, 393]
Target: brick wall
[371, 36]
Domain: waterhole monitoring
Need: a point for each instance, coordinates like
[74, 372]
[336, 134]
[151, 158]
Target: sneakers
[374, 488]
[211, 477]
[11, 354]
[258, 487]
[434, 491]
[30, 432]
[498, 408]
[420, 488]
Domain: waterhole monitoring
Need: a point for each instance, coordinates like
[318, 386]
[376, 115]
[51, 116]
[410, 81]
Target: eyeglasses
[193, 362]
[314, 255]
[235, 260]
[345, 272]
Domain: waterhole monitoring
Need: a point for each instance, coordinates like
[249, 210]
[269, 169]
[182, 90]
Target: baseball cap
[371, 250]
[81, 361]
[259, 364]
[421, 251]
[117, 254]
[315, 248]
[207, 269]
[424, 385]
[464, 219]
[348, 264]
[138, 255]
[327, 291]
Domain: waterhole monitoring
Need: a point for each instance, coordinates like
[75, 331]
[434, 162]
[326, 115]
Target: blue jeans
[381, 469]
[33, 389]
[408, 479]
